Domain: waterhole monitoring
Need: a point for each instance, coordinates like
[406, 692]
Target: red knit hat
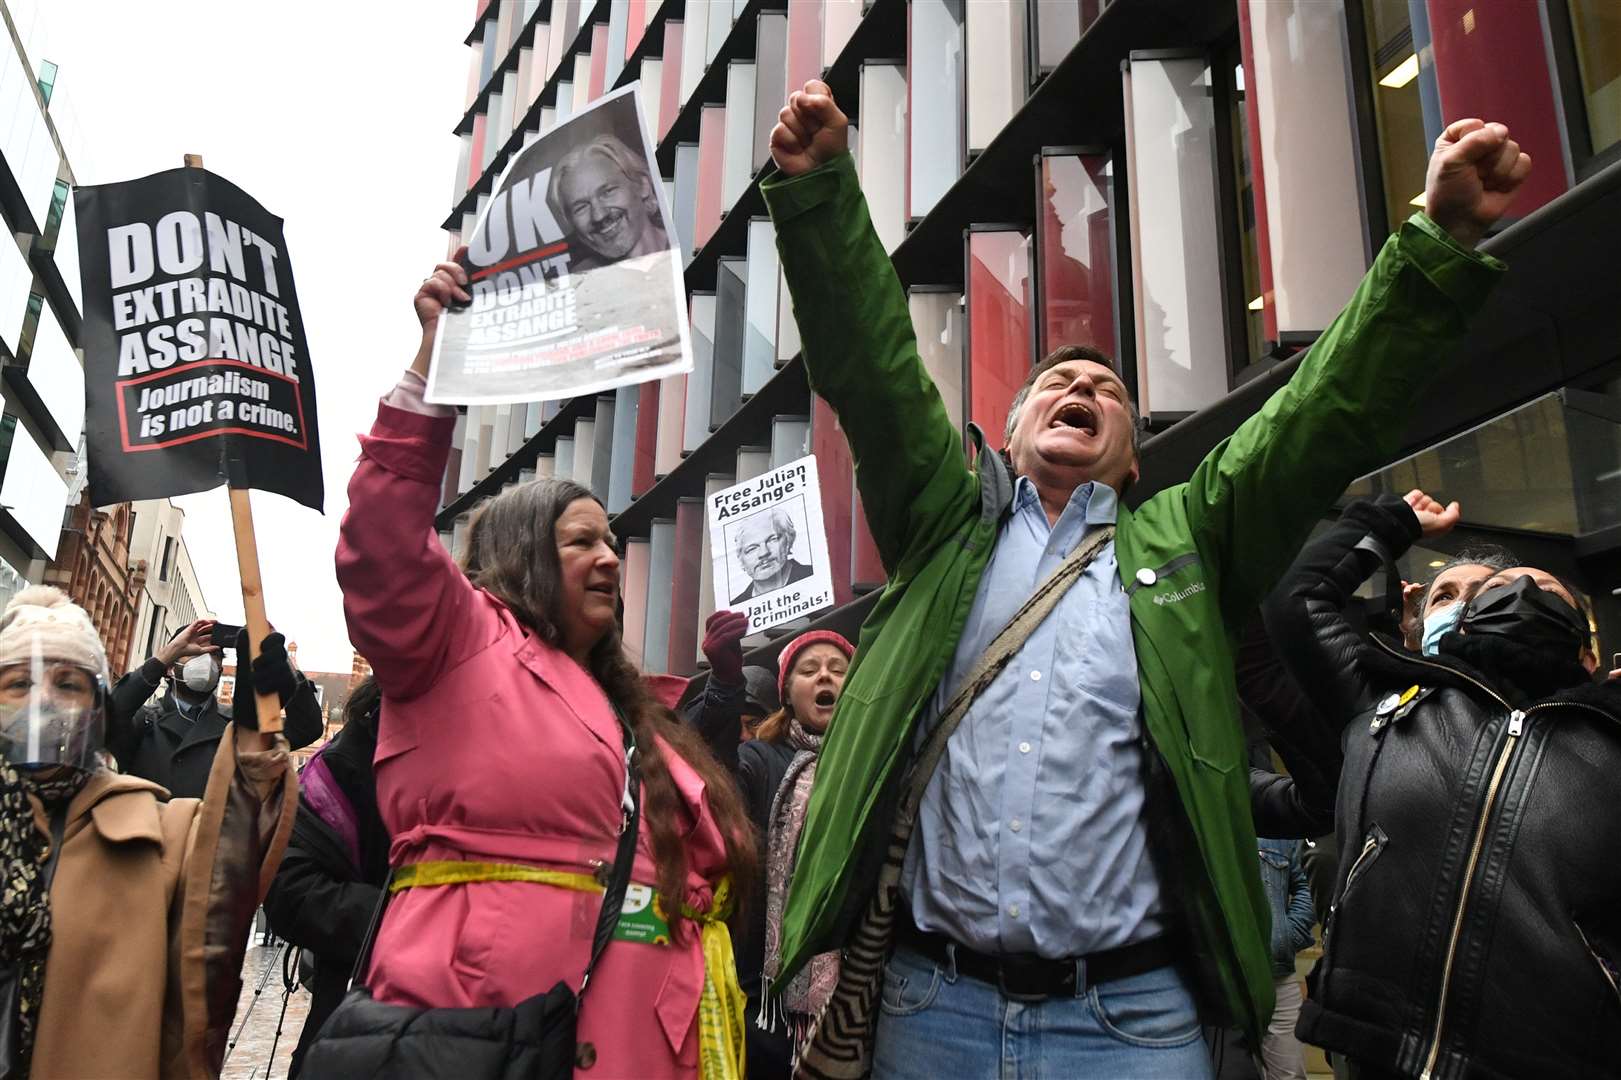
[785, 659]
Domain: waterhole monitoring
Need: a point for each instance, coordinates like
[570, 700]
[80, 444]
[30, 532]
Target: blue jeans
[934, 1023]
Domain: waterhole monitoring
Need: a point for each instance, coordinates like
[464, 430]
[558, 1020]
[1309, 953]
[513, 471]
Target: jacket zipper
[1516, 723]
[1516, 727]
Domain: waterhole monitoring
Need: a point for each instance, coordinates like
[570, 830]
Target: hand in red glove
[723, 645]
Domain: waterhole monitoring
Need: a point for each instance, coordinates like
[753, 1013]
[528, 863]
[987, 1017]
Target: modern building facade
[41, 375]
[170, 597]
[1193, 186]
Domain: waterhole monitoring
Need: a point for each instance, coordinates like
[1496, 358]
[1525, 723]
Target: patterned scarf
[801, 1000]
[25, 907]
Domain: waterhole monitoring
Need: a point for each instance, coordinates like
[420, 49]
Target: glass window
[998, 324]
[726, 378]
[685, 580]
[738, 156]
[937, 318]
[1171, 143]
[771, 68]
[47, 80]
[882, 141]
[995, 61]
[934, 115]
[660, 577]
[1436, 61]
[1075, 252]
[760, 303]
[702, 311]
[1596, 27]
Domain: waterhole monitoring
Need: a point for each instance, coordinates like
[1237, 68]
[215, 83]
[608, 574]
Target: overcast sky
[335, 116]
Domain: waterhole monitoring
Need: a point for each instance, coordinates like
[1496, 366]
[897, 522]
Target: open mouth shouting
[1076, 416]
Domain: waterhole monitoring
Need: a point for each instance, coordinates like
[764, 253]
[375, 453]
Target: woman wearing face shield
[125, 913]
[1476, 922]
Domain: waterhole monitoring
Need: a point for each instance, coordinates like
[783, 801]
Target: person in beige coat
[124, 914]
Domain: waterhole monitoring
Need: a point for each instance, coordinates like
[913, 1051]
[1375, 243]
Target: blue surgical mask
[1437, 624]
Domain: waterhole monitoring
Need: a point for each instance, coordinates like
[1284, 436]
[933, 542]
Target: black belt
[1033, 978]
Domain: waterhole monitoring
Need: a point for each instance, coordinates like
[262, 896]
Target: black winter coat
[758, 768]
[155, 742]
[319, 899]
[1476, 925]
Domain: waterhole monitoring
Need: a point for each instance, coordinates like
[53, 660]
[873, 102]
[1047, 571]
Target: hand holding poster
[770, 549]
[575, 275]
[196, 368]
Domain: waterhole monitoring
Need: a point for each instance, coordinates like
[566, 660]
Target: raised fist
[810, 130]
[1473, 176]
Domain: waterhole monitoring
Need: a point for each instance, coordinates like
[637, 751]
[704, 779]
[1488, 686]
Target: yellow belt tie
[721, 1005]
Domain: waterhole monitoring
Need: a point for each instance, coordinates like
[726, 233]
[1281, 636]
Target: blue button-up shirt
[1031, 836]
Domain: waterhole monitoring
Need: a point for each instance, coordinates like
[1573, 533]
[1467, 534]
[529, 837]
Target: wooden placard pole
[247, 565]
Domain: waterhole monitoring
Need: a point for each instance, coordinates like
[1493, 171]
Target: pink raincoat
[494, 746]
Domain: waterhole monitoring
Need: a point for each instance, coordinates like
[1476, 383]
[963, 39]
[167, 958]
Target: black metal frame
[1562, 62]
[1370, 173]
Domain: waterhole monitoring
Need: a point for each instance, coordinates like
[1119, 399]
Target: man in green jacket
[1083, 864]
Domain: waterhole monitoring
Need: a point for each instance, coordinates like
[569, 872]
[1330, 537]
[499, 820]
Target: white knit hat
[42, 620]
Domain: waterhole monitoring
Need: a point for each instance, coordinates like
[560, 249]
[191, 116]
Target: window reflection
[1403, 149]
[1596, 27]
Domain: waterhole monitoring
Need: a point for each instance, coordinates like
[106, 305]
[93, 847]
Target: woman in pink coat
[498, 745]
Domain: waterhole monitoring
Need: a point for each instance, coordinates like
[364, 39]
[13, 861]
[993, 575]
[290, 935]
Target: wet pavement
[259, 1013]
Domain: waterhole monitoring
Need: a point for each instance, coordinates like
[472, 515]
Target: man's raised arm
[859, 350]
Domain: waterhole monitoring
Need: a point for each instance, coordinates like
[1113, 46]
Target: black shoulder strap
[613, 895]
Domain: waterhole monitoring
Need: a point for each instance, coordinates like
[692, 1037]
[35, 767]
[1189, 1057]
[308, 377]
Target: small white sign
[769, 546]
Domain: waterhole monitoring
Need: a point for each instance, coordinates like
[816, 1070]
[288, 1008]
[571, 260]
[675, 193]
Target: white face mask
[201, 674]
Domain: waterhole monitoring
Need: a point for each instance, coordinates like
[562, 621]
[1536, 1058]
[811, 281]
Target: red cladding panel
[832, 454]
[711, 158]
[804, 44]
[998, 327]
[599, 61]
[647, 429]
[1491, 62]
[669, 79]
[474, 168]
[866, 568]
[636, 25]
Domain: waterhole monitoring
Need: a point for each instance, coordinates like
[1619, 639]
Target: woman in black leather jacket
[1476, 925]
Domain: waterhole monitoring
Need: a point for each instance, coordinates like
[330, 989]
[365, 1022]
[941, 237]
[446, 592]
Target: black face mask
[1523, 633]
[1531, 616]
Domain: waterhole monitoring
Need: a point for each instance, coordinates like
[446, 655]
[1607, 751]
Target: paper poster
[196, 369]
[576, 275]
[769, 546]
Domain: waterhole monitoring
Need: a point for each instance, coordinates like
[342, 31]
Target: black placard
[196, 366]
